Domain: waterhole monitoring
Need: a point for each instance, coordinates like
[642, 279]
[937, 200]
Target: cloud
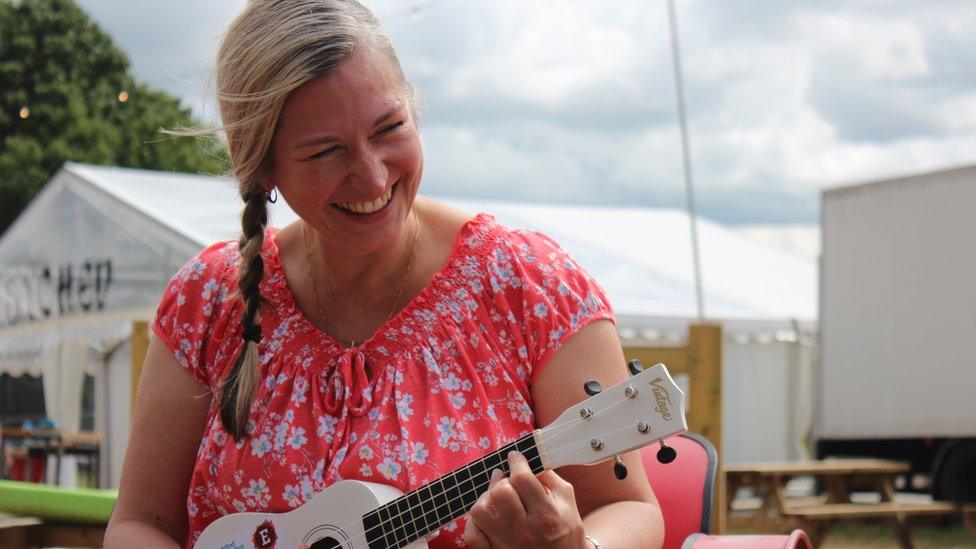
[573, 100]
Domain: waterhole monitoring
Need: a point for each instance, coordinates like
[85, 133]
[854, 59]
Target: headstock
[643, 409]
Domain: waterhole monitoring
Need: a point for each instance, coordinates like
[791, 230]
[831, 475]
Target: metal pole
[686, 154]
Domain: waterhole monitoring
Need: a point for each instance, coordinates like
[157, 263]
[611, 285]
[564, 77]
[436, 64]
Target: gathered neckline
[275, 275]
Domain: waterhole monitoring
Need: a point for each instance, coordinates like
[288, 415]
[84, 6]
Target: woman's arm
[618, 513]
[167, 424]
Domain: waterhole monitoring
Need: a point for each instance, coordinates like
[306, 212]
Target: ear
[264, 175]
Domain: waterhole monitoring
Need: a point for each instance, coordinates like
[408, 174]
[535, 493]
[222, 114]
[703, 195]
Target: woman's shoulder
[220, 257]
[208, 264]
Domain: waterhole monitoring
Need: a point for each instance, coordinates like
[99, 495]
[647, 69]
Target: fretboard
[424, 510]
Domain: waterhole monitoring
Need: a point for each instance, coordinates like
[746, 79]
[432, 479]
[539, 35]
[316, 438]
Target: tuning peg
[666, 454]
[592, 387]
[635, 367]
[619, 469]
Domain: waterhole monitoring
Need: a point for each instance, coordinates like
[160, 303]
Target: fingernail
[497, 474]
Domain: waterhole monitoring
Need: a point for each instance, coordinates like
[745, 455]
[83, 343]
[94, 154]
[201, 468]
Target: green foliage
[61, 66]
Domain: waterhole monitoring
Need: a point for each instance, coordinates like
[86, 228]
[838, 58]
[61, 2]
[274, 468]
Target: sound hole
[326, 543]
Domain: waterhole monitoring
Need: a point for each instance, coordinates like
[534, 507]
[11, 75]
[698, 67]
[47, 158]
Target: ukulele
[350, 514]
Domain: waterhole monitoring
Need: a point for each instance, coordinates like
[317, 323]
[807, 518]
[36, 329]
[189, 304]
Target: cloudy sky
[573, 100]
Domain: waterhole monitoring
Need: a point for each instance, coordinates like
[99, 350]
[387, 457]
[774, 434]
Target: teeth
[368, 207]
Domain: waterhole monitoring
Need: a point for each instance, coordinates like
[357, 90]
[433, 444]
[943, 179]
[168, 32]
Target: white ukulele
[350, 514]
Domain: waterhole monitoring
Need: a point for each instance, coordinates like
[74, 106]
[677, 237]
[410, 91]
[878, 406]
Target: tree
[66, 94]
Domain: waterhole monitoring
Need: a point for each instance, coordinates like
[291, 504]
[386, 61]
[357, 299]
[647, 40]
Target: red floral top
[451, 378]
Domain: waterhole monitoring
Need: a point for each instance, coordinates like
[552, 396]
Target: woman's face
[346, 154]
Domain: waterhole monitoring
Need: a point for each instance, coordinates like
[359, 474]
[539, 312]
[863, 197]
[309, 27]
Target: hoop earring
[275, 191]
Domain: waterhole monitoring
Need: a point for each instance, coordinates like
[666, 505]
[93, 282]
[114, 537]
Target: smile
[368, 207]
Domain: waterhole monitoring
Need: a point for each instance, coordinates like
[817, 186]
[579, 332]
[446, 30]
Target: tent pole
[686, 154]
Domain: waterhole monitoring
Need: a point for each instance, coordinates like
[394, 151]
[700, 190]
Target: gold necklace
[403, 283]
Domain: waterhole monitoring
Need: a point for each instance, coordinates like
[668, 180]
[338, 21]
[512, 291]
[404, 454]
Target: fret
[441, 508]
[527, 446]
[429, 507]
[485, 473]
[414, 510]
[469, 491]
[373, 527]
[503, 453]
[453, 493]
[493, 461]
[389, 531]
[396, 524]
[423, 503]
[406, 518]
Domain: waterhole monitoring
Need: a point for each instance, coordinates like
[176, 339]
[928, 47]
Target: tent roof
[642, 256]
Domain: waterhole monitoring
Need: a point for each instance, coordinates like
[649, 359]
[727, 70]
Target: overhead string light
[24, 112]
[123, 96]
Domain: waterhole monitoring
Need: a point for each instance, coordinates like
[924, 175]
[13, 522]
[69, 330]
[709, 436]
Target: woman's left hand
[525, 510]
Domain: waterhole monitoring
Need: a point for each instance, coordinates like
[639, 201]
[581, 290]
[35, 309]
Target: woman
[381, 336]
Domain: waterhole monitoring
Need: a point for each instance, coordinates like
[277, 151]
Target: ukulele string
[480, 487]
[549, 432]
[555, 431]
[560, 429]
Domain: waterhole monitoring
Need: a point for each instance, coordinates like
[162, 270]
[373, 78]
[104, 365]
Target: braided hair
[238, 387]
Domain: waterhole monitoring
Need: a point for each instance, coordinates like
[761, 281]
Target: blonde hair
[271, 49]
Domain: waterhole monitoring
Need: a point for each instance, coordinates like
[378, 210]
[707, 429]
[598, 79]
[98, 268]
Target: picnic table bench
[840, 478]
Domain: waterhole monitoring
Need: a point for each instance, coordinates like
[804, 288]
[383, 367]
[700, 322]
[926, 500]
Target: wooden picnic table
[840, 477]
[43, 442]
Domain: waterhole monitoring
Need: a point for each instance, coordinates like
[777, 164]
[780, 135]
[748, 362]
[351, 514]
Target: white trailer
[897, 374]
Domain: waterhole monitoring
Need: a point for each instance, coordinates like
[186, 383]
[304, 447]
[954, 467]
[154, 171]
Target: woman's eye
[391, 127]
[323, 153]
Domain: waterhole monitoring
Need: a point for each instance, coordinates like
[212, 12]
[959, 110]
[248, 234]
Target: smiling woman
[382, 336]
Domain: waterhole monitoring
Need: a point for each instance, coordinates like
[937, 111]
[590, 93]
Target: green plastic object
[44, 501]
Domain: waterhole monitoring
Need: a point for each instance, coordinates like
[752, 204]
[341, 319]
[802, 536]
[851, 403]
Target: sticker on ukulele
[265, 535]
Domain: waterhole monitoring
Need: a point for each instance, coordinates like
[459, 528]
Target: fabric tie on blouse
[349, 394]
[349, 385]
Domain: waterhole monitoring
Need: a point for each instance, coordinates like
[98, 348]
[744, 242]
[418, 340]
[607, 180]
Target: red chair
[684, 489]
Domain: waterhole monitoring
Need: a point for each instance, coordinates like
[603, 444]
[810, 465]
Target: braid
[238, 388]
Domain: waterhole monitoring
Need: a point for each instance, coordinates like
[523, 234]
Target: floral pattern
[449, 374]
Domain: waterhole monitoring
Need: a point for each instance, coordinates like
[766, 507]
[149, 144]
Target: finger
[474, 537]
[505, 500]
[532, 493]
[556, 484]
[496, 475]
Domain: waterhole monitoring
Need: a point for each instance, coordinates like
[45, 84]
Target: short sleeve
[189, 307]
[558, 296]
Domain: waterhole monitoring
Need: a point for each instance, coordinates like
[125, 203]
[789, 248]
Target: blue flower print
[390, 469]
[419, 453]
[260, 446]
[451, 383]
[292, 496]
[403, 406]
[447, 430]
[326, 427]
[298, 438]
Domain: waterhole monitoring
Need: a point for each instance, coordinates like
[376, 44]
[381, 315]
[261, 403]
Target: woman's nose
[368, 168]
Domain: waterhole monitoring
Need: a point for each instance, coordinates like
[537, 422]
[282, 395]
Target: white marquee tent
[96, 247]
